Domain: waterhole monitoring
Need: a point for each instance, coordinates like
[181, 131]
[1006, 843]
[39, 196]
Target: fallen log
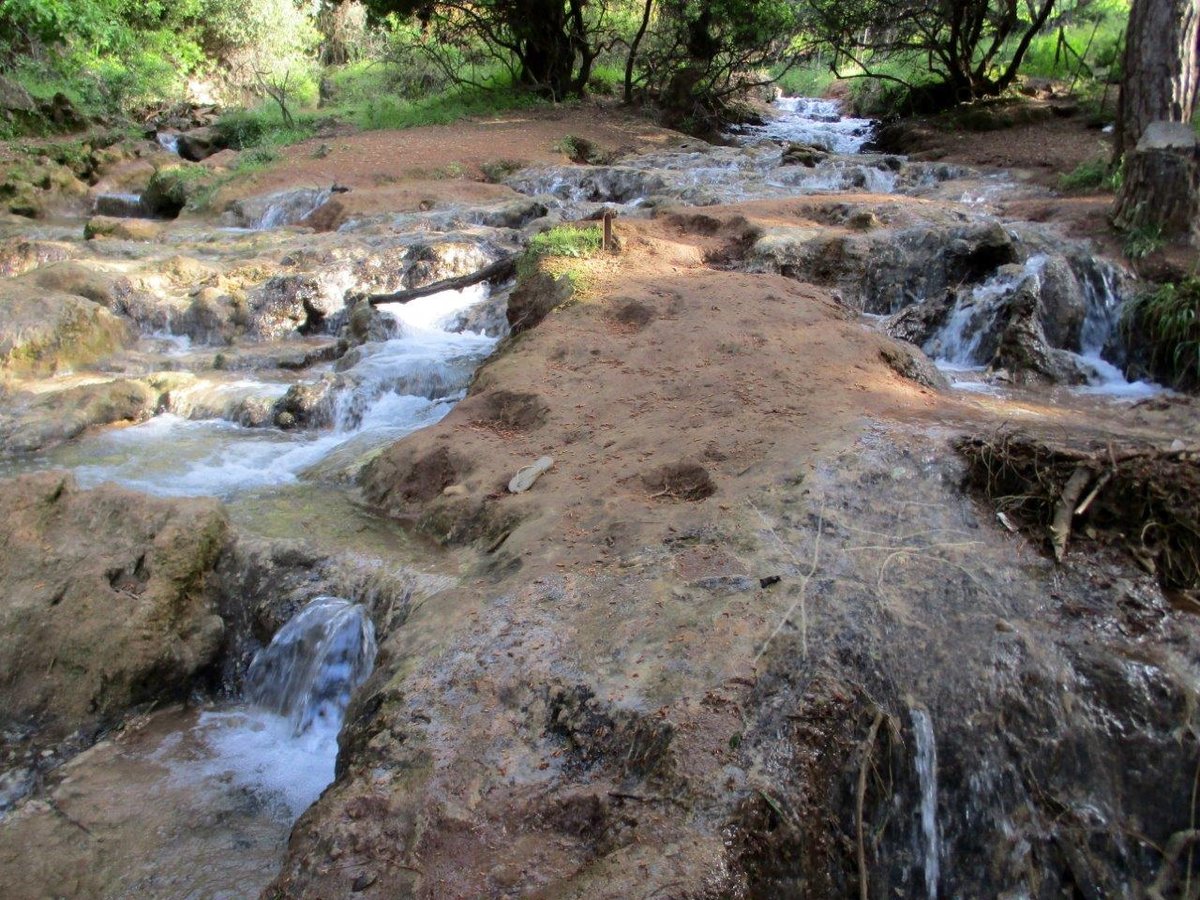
[500, 269]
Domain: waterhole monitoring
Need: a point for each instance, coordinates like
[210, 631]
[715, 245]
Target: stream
[244, 770]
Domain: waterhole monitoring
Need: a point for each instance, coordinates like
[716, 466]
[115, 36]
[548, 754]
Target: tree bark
[1162, 68]
[1161, 190]
[500, 269]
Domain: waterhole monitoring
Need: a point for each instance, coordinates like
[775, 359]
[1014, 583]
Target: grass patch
[451, 105]
[1094, 175]
[1165, 324]
[564, 242]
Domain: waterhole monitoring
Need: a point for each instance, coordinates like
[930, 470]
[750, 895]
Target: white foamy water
[169, 141]
[813, 121]
[283, 747]
[395, 388]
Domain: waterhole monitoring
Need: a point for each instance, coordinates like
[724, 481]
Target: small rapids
[392, 389]
[813, 121]
[966, 340]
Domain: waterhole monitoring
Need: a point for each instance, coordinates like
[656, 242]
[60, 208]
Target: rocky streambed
[759, 630]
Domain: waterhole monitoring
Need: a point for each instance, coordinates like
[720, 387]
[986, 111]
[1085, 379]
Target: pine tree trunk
[1162, 68]
[1161, 191]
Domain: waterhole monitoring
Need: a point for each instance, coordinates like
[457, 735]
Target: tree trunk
[1161, 191]
[633, 49]
[1162, 68]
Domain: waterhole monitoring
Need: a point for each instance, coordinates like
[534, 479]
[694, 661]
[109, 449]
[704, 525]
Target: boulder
[43, 332]
[288, 303]
[14, 98]
[201, 143]
[171, 188]
[105, 601]
[57, 417]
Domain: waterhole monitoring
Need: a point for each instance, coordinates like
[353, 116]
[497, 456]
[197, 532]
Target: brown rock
[105, 600]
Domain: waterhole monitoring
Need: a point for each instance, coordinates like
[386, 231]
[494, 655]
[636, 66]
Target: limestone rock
[43, 331]
[105, 600]
[59, 416]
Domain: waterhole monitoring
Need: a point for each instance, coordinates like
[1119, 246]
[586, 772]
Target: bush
[1164, 325]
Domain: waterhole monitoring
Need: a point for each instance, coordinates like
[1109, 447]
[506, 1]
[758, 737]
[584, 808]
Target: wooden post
[609, 243]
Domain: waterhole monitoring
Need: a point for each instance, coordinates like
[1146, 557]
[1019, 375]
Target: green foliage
[1096, 174]
[451, 105]
[811, 79]
[561, 241]
[264, 126]
[1143, 241]
[1166, 324]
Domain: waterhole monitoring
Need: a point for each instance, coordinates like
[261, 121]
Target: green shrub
[1164, 323]
[1143, 241]
[1095, 174]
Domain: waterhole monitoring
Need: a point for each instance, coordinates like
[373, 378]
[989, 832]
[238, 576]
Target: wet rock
[59, 416]
[43, 332]
[908, 361]
[288, 303]
[514, 214]
[213, 317]
[201, 143]
[329, 216]
[366, 323]
[105, 600]
[1023, 349]
[803, 155]
[430, 263]
[171, 188]
[306, 405]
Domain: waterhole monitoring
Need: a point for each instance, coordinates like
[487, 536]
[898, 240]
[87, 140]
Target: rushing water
[394, 388]
[816, 122]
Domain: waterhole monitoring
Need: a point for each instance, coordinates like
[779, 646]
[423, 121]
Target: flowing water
[394, 388]
[926, 764]
[259, 764]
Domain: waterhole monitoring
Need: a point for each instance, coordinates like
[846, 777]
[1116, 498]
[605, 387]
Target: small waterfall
[960, 342]
[926, 763]
[813, 121]
[291, 207]
[313, 664]
[125, 206]
[169, 141]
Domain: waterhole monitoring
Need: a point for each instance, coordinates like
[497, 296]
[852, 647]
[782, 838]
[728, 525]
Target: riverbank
[751, 618]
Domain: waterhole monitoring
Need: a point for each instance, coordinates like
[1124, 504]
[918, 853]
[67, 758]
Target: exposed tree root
[1146, 500]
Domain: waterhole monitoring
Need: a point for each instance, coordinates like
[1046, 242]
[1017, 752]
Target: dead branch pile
[1144, 499]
